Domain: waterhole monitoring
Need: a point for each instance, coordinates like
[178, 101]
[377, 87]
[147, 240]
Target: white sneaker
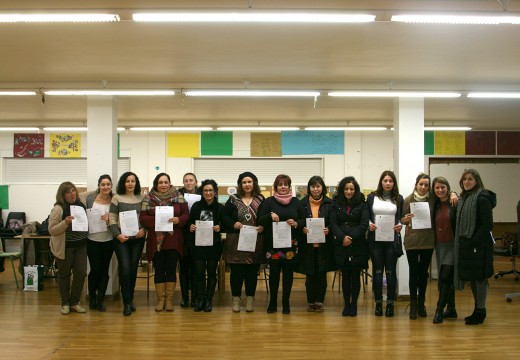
[78, 309]
[65, 310]
[236, 304]
[250, 300]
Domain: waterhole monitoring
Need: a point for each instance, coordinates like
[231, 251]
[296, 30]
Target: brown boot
[160, 290]
[170, 290]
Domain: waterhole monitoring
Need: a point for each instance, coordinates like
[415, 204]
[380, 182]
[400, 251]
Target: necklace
[247, 201]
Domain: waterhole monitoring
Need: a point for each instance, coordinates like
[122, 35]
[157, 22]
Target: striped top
[122, 203]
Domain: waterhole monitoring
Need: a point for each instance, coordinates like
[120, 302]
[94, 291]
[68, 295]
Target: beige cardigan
[57, 228]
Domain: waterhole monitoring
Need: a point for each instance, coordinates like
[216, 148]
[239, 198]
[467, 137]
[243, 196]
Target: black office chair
[13, 226]
[509, 248]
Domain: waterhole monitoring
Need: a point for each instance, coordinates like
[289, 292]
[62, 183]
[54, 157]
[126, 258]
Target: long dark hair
[316, 180]
[101, 178]
[440, 180]
[478, 181]
[419, 178]
[394, 195]
[256, 189]
[340, 198]
[121, 188]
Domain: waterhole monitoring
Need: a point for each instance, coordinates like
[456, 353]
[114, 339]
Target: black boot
[421, 309]
[274, 283]
[127, 310]
[101, 294]
[439, 316]
[413, 309]
[208, 304]
[287, 282]
[92, 294]
[389, 310]
[477, 317]
[379, 309]
[210, 291]
[347, 308]
[451, 312]
[185, 298]
[273, 306]
[198, 303]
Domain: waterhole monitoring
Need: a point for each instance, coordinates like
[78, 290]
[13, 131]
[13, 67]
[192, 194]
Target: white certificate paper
[315, 228]
[95, 223]
[191, 199]
[385, 227]
[80, 221]
[129, 223]
[204, 233]
[421, 215]
[281, 235]
[247, 238]
[162, 216]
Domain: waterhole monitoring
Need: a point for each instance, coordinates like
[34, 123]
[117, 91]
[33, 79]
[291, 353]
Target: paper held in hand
[385, 227]
[247, 238]
[281, 235]
[315, 234]
[129, 223]
[191, 199]
[163, 214]
[421, 215]
[95, 223]
[204, 233]
[80, 221]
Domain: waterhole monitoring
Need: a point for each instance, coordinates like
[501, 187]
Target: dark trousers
[205, 288]
[275, 268]
[419, 264]
[99, 257]
[351, 284]
[316, 284]
[384, 259]
[243, 273]
[186, 274]
[128, 255]
[75, 264]
[165, 266]
[446, 288]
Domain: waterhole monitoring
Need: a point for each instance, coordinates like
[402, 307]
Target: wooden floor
[33, 328]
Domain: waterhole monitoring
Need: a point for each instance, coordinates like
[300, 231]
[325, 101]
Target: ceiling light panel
[31, 18]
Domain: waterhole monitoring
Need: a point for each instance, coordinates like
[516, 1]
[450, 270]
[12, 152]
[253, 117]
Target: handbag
[398, 246]
[43, 229]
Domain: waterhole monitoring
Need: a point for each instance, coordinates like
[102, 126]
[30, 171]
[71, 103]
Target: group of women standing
[354, 230]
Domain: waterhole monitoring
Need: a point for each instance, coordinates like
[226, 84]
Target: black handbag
[43, 229]
[398, 246]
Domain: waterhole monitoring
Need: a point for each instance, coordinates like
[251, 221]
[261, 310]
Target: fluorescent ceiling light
[9, 18]
[252, 93]
[391, 93]
[348, 128]
[171, 128]
[494, 95]
[456, 19]
[257, 128]
[17, 93]
[254, 17]
[19, 129]
[65, 128]
[94, 92]
[447, 128]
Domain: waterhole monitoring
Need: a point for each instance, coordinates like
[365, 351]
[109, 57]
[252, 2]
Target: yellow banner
[450, 143]
[183, 145]
[65, 145]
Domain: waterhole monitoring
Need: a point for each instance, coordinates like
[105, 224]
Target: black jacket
[215, 211]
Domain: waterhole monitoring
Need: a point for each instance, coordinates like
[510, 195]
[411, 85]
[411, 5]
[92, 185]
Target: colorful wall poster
[65, 145]
[29, 145]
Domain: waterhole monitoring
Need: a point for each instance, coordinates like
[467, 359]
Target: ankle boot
[101, 294]
[250, 300]
[92, 300]
[451, 312]
[477, 317]
[439, 316]
[160, 291]
[473, 314]
[236, 304]
[198, 303]
[273, 304]
[389, 310]
[413, 309]
[170, 290]
[208, 304]
[421, 309]
[379, 309]
[286, 308]
[127, 310]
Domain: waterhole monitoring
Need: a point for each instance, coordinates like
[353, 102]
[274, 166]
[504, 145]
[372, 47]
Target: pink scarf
[283, 199]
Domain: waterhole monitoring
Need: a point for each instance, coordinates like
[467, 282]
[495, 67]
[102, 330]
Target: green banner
[4, 197]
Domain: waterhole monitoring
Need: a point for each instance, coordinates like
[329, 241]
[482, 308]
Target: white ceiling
[380, 55]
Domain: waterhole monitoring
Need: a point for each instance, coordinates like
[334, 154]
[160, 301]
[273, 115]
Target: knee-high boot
[274, 284]
[444, 293]
[170, 290]
[451, 312]
[92, 294]
[185, 289]
[101, 294]
[160, 289]
[286, 291]
[210, 291]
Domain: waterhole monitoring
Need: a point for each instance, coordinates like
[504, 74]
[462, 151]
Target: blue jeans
[384, 259]
[128, 255]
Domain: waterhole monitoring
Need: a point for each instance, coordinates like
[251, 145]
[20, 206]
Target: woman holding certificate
[474, 241]
[69, 246]
[164, 213]
[385, 208]
[205, 221]
[419, 242]
[128, 235]
[317, 243]
[279, 216]
[349, 225]
[99, 245]
[191, 195]
[242, 247]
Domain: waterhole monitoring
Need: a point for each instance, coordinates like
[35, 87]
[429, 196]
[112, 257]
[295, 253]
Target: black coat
[355, 225]
[293, 210]
[216, 212]
[325, 251]
[476, 252]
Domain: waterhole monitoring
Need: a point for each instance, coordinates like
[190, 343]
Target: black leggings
[165, 265]
[203, 288]
[351, 284]
[243, 273]
[419, 263]
[275, 268]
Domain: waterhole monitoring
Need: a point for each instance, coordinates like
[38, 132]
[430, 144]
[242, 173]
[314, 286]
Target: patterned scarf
[467, 214]
[155, 198]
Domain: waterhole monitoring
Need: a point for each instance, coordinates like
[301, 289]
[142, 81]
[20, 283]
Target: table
[41, 247]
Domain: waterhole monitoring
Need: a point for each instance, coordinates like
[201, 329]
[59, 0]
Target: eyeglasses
[209, 191]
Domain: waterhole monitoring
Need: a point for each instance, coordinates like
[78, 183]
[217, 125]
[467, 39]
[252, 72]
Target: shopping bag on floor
[33, 277]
